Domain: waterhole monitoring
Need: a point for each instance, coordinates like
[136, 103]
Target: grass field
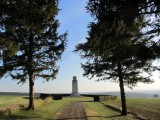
[6, 100]
[98, 111]
[94, 110]
[148, 108]
[47, 111]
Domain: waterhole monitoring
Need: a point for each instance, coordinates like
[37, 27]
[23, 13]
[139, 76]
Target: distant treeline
[128, 94]
[18, 94]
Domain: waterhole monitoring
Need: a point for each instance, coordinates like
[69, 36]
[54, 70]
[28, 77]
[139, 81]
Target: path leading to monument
[73, 110]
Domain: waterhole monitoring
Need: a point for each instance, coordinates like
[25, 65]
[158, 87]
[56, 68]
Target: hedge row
[104, 98]
[54, 97]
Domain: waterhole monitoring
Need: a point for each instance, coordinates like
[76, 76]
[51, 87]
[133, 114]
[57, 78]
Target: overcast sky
[74, 19]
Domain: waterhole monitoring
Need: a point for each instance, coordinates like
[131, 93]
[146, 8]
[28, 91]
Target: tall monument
[74, 87]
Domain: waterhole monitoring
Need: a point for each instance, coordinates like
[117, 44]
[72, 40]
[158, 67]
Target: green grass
[6, 100]
[147, 108]
[99, 111]
[47, 111]
[143, 107]
[94, 111]
[151, 104]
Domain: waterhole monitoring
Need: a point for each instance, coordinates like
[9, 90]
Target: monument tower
[74, 87]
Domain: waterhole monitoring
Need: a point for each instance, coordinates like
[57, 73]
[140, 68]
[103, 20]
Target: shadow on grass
[113, 108]
[86, 118]
[22, 117]
[86, 101]
[28, 97]
[18, 117]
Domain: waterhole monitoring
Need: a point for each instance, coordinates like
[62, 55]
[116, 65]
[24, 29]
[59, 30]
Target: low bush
[104, 98]
[54, 96]
[44, 95]
[57, 97]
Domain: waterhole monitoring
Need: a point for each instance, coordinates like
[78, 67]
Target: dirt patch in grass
[73, 110]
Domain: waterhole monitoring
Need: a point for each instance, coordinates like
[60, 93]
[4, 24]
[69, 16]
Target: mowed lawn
[99, 111]
[94, 110]
[47, 111]
[148, 108]
[8, 100]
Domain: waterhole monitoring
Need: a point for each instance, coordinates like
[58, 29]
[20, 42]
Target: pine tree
[32, 25]
[114, 40]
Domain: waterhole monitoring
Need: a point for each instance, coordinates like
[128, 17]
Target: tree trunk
[31, 92]
[31, 73]
[121, 84]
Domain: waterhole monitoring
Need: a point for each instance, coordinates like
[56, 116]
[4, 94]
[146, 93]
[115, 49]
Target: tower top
[74, 78]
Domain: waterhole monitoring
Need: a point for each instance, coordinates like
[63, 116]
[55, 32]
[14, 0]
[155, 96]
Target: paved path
[73, 111]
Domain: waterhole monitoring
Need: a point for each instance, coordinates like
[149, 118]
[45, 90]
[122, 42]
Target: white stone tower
[74, 87]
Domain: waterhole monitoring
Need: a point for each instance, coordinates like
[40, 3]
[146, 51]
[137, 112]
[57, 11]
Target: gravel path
[72, 111]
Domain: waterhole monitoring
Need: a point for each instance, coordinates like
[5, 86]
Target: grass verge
[9, 100]
[99, 111]
[145, 108]
[47, 111]
[7, 112]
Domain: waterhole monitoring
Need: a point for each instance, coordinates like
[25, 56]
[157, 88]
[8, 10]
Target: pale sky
[74, 19]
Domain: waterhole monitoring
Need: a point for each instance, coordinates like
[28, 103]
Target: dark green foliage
[126, 10]
[8, 48]
[57, 97]
[44, 96]
[54, 97]
[32, 25]
[104, 98]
